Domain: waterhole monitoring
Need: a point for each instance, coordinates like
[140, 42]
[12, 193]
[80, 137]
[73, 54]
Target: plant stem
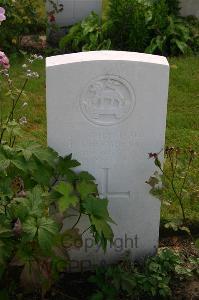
[80, 214]
[14, 104]
[85, 230]
[176, 194]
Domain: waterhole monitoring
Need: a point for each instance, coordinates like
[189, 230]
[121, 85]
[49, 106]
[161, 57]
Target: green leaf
[19, 163]
[181, 45]
[42, 174]
[99, 217]
[85, 176]
[97, 207]
[43, 154]
[47, 230]
[102, 228]
[4, 164]
[19, 209]
[35, 201]
[6, 248]
[14, 128]
[30, 228]
[66, 163]
[5, 187]
[86, 188]
[67, 198]
[197, 243]
[158, 163]
[5, 232]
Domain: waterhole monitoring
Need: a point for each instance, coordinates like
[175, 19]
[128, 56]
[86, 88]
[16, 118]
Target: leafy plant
[173, 7]
[172, 38]
[152, 26]
[90, 34]
[128, 24]
[151, 279]
[175, 176]
[193, 24]
[38, 188]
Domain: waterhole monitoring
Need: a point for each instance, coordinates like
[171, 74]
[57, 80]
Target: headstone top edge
[105, 56]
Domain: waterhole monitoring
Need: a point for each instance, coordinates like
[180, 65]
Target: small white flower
[35, 75]
[24, 104]
[23, 120]
[24, 66]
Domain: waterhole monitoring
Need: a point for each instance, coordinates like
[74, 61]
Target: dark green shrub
[193, 24]
[128, 27]
[150, 26]
[170, 35]
[151, 280]
[88, 35]
[173, 7]
[173, 40]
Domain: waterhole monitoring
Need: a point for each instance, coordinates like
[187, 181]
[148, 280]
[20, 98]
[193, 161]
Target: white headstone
[109, 108]
[75, 10]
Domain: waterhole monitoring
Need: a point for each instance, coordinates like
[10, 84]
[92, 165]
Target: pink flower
[4, 61]
[2, 14]
[52, 18]
[153, 155]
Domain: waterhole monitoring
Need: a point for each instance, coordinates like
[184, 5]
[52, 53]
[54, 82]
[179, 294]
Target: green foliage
[152, 26]
[151, 279]
[88, 35]
[99, 218]
[24, 17]
[178, 178]
[38, 188]
[29, 204]
[128, 25]
[193, 24]
[170, 35]
[173, 7]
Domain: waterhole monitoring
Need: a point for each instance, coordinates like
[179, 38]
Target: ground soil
[77, 287]
[188, 290]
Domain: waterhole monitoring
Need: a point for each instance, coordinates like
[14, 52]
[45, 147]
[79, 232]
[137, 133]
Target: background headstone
[75, 10]
[189, 7]
[109, 108]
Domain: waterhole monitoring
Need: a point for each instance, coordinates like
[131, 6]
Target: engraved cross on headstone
[105, 187]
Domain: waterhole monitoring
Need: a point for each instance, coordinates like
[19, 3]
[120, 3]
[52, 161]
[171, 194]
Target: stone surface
[109, 108]
[75, 10]
[189, 7]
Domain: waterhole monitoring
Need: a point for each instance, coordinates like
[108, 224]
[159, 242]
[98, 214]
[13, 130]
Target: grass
[34, 96]
[183, 130]
[182, 120]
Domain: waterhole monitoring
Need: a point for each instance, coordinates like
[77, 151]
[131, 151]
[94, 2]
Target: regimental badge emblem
[107, 100]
